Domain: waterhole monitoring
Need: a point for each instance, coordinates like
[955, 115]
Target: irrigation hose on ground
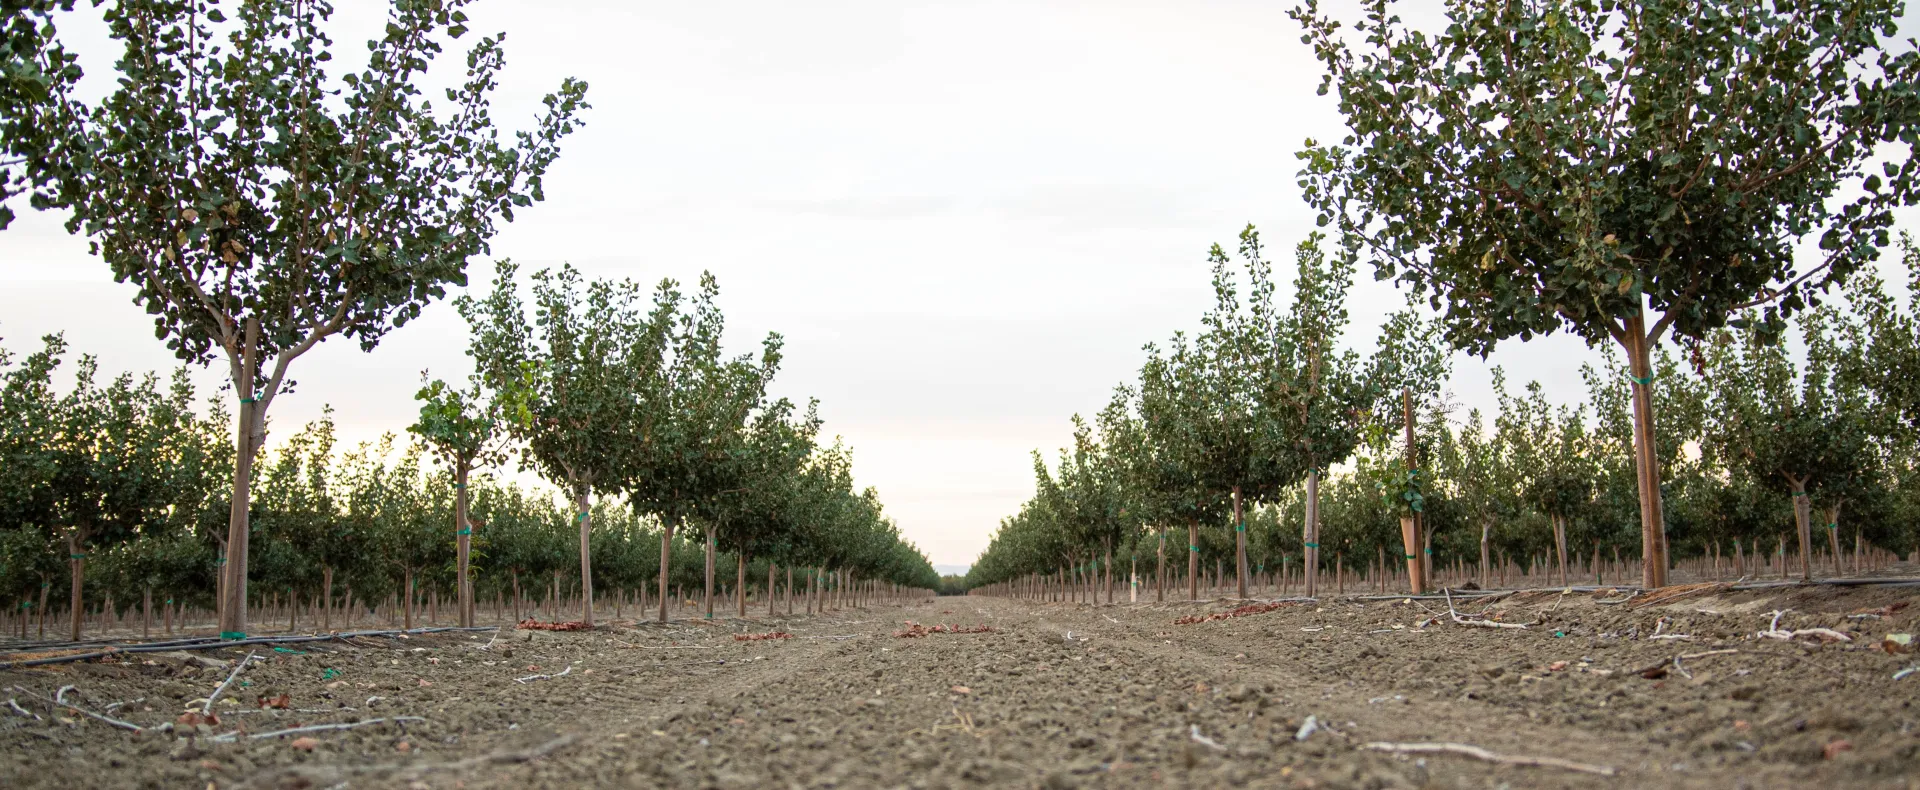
[113, 650]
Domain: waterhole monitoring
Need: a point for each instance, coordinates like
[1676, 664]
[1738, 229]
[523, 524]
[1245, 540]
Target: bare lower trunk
[1193, 558]
[1239, 547]
[1411, 543]
[740, 583]
[1160, 573]
[409, 595]
[76, 571]
[1802, 518]
[233, 612]
[1486, 558]
[1560, 545]
[1833, 537]
[1310, 536]
[666, 555]
[463, 541]
[709, 594]
[583, 500]
[1653, 531]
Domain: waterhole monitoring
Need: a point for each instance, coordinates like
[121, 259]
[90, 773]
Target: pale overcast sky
[966, 218]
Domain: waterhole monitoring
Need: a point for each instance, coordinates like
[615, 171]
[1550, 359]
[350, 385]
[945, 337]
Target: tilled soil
[1057, 695]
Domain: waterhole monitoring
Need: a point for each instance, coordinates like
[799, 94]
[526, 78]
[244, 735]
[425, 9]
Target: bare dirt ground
[1057, 695]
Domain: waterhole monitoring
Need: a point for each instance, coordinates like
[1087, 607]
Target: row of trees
[125, 480]
[261, 200]
[1761, 439]
[1631, 172]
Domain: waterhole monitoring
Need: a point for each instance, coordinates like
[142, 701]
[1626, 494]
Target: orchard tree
[1406, 373]
[1621, 170]
[1796, 428]
[1171, 481]
[1554, 454]
[467, 429]
[581, 369]
[1241, 450]
[1318, 393]
[261, 206]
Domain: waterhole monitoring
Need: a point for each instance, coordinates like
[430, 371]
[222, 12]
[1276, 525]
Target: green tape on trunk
[1194, 549]
[464, 532]
[233, 635]
[1646, 382]
[1313, 545]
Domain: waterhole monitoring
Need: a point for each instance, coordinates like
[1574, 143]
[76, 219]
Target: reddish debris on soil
[915, 630]
[1249, 609]
[535, 625]
[758, 637]
[282, 702]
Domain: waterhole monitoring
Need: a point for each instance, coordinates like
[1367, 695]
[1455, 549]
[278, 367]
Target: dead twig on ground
[231, 737]
[237, 669]
[1483, 623]
[128, 726]
[1193, 732]
[532, 678]
[1478, 753]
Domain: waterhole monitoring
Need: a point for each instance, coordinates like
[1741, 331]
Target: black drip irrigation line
[261, 640]
[1637, 589]
[25, 647]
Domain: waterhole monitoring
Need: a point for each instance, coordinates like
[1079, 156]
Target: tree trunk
[326, 597]
[1160, 574]
[1486, 557]
[1109, 570]
[1802, 519]
[1653, 528]
[1310, 536]
[583, 500]
[463, 539]
[76, 570]
[666, 555]
[770, 588]
[709, 597]
[146, 611]
[1412, 543]
[789, 590]
[1193, 558]
[740, 584]
[1239, 546]
[233, 614]
[1833, 537]
[1560, 545]
[409, 607]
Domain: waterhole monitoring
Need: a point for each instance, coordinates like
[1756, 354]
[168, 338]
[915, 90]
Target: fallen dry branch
[1482, 623]
[1482, 754]
[237, 669]
[532, 678]
[1193, 731]
[231, 737]
[762, 637]
[531, 624]
[128, 726]
[1244, 611]
[915, 630]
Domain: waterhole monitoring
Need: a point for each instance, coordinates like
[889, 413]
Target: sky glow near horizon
[965, 219]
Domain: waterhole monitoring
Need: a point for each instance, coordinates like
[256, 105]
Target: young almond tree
[468, 429]
[261, 205]
[582, 370]
[1795, 427]
[1243, 451]
[1620, 170]
[1170, 413]
[754, 518]
[1555, 460]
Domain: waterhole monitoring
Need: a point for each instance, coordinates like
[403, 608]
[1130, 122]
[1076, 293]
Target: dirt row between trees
[1055, 695]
